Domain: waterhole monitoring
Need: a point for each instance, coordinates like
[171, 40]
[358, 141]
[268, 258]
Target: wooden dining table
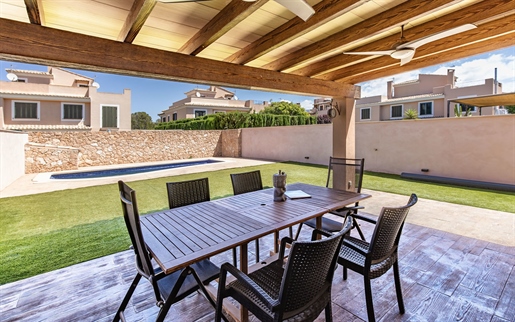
[182, 236]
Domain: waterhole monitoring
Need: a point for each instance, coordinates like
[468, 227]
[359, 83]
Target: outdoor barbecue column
[344, 128]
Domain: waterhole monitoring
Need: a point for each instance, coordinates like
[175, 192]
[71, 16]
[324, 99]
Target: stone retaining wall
[57, 151]
[48, 158]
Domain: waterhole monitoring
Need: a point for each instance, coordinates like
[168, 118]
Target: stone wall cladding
[231, 143]
[108, 148]
[46, 158]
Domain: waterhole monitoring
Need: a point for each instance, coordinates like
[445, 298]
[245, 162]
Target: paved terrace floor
[457, 264]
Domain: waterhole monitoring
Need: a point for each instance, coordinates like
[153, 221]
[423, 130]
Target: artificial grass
[47, 231]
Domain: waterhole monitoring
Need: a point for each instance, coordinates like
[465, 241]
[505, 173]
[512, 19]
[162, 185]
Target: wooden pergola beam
[231, 15]
[325, 11]
[485, 31]
[396, 16]
[36, 44]
[35, 12]
[139, 13]
[504, 41]
[471, 14]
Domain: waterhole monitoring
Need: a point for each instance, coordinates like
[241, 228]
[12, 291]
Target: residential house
[60, 100]
[200, 102]
[430, 95]
[320, 106]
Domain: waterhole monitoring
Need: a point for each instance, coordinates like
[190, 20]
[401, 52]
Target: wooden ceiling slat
[139, 13]
[35, 44]
[472, 14]
[35, 12]
[396, 16]
[324, 11]
[234, 13]
[504, 41]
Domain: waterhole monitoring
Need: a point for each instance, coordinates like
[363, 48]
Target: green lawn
[48, 231]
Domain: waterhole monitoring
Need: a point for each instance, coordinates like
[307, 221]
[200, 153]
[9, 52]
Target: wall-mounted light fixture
[334, 110]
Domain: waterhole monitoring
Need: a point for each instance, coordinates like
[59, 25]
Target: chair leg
[356, 225]
[169, 301]
[234, 256]
[298, 232]
[291, 231]
[398, 289]
[220, 296]
[257, 250]
[329, 312]
[344, 273]
[126, 299]
[370, 303]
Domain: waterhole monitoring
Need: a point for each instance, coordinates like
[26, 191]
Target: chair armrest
[317, 232]
[364, 216]
[244, 279]
[353, 247]
[285, 240]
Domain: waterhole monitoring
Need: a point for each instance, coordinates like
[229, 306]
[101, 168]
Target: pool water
[125, 171]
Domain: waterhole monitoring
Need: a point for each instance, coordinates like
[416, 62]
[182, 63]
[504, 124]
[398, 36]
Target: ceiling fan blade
[299, 7]
[437, 36]
[178, 1]
[407, 59]
[383, 52]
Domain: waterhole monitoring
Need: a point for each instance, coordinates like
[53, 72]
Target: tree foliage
[510, 108]
[284, 108]
[141, 121]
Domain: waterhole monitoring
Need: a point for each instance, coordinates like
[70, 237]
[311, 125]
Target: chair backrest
[246, 182]
[183, 193]
[309, 270]
[351, 169]
[388, 229]
[131, 217]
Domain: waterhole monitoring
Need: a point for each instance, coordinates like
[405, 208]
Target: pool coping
[35, 183]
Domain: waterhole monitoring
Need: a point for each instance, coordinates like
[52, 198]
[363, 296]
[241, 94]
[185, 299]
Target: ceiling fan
[405, 50]
[299, 7]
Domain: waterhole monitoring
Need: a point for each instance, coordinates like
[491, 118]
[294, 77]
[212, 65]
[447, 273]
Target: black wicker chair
[185, 193]
[170, 288]
[375, 258]
[298, 290]
[243, 183]
[353, 168]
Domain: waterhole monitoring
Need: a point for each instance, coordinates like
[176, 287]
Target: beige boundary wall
[12, 165]
[473, 148]
[303, 143]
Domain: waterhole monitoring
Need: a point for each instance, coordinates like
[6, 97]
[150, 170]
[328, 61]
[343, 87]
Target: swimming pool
[126, 171]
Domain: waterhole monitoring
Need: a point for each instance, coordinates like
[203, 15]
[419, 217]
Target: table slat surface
[181, 236]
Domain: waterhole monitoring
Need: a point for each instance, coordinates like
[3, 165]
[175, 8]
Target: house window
[365, 113]
[25, 110]
[465, 107]
[396, 111]
[72, 111]
[109, 116]
[174, 116]
[222, 112]
[21, 80]
[199, 113]
[425, 109]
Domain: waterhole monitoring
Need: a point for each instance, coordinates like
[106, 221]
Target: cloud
[306, 104]
[470, 71]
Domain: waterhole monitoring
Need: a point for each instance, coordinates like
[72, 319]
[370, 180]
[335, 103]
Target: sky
[153, 96]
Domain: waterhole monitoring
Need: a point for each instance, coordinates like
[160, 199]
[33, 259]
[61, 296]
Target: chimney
[389, 89]
[451, 80]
